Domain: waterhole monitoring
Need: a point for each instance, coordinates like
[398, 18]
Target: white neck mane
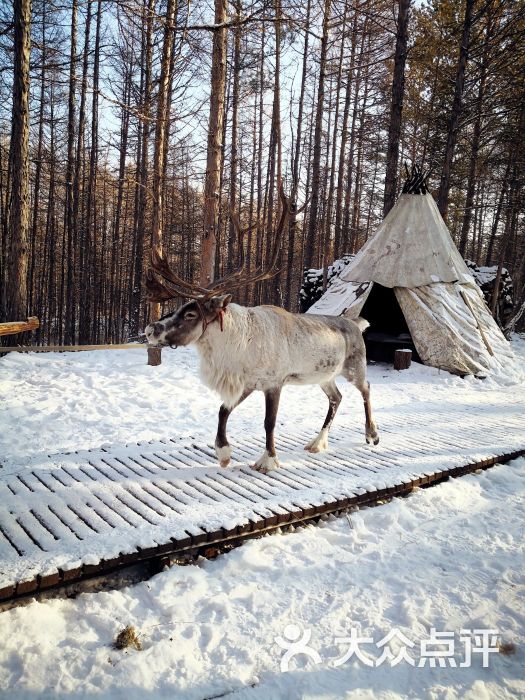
[223, 353]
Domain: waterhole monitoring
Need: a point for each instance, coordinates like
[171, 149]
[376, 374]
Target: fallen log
[19, 326]
[71, 348]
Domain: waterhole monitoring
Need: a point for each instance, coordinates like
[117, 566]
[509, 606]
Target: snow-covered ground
[53, 402]
[449, 558]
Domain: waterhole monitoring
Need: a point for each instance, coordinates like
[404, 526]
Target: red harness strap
[219, 317]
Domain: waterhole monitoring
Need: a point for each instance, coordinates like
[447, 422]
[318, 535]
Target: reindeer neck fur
[224, 356]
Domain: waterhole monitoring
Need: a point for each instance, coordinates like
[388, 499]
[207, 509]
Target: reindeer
[261, 348]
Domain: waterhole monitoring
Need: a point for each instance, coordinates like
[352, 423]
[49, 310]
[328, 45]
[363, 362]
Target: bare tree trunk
[275, 157]
[49, 272]
[80, 233]
[38, 169]
[232, 244]
[251, 205]
[16, 297]
[356, 209]
[350, 177]
[88, 316]
[316, 162]
[481, 224]
[69, 220]
[374, 180]
[507, 238]
[431, 102]
[141, 193]
[344, 139]
[328, 218]
[515, 184]
[476, 140]
[260, 211]
[218, 271]
[497, 213]
[159, 156]
[453, 124]
[295, 164]
[304, 231]
[115, 245]
[213, 159]
[396, 108]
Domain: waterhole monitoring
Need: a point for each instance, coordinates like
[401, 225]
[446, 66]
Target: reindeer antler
[163, 284]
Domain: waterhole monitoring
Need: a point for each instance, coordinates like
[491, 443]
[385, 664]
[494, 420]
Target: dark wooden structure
[66, 518]
[402, 359]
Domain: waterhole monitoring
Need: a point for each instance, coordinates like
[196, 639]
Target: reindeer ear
[219, 302]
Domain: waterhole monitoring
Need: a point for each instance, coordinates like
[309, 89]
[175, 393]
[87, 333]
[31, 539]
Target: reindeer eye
[190, 316]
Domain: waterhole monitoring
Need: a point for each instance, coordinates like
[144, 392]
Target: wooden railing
[19, 326]
[72, 348]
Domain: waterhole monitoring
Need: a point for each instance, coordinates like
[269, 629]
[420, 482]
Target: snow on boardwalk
[61, 515]
[450, 557]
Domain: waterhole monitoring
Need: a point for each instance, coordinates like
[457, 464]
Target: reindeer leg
[320, 443]
[222, 446]
[268, 461]
[355, 371]
[371, 434]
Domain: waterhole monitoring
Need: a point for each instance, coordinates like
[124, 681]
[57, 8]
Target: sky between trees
[359, 89]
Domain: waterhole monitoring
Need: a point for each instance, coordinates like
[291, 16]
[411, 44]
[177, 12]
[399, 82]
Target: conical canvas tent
[413, 254]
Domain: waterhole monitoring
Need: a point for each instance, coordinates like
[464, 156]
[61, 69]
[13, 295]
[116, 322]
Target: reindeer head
[208, 304]
[187, 324]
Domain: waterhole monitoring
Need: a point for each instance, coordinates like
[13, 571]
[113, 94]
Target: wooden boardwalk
[69, 517]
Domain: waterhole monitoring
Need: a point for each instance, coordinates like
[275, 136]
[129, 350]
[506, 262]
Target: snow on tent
[410, 282]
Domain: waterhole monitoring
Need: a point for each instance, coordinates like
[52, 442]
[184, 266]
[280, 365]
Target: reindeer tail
[361, 323]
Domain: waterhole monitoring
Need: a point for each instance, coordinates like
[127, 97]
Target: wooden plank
[312, 468]
[7, 547]
[14, 534]
[25, 587]
[69, 520]
[53, 578]
[49, 579]
[7, 591]
[54, 524]
[37, 525]
[92, 495]
[12, 327]
[234, 491]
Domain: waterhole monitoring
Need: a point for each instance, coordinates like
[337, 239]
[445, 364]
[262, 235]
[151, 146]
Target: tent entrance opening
[388, 330]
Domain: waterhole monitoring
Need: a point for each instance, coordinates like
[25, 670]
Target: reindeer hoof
[319, 444]
[313, 448]
[265, 464]
[261, 470]
[223, 455]
[372, 439]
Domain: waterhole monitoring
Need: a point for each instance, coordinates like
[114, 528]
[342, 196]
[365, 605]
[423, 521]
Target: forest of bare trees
[132, 124]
